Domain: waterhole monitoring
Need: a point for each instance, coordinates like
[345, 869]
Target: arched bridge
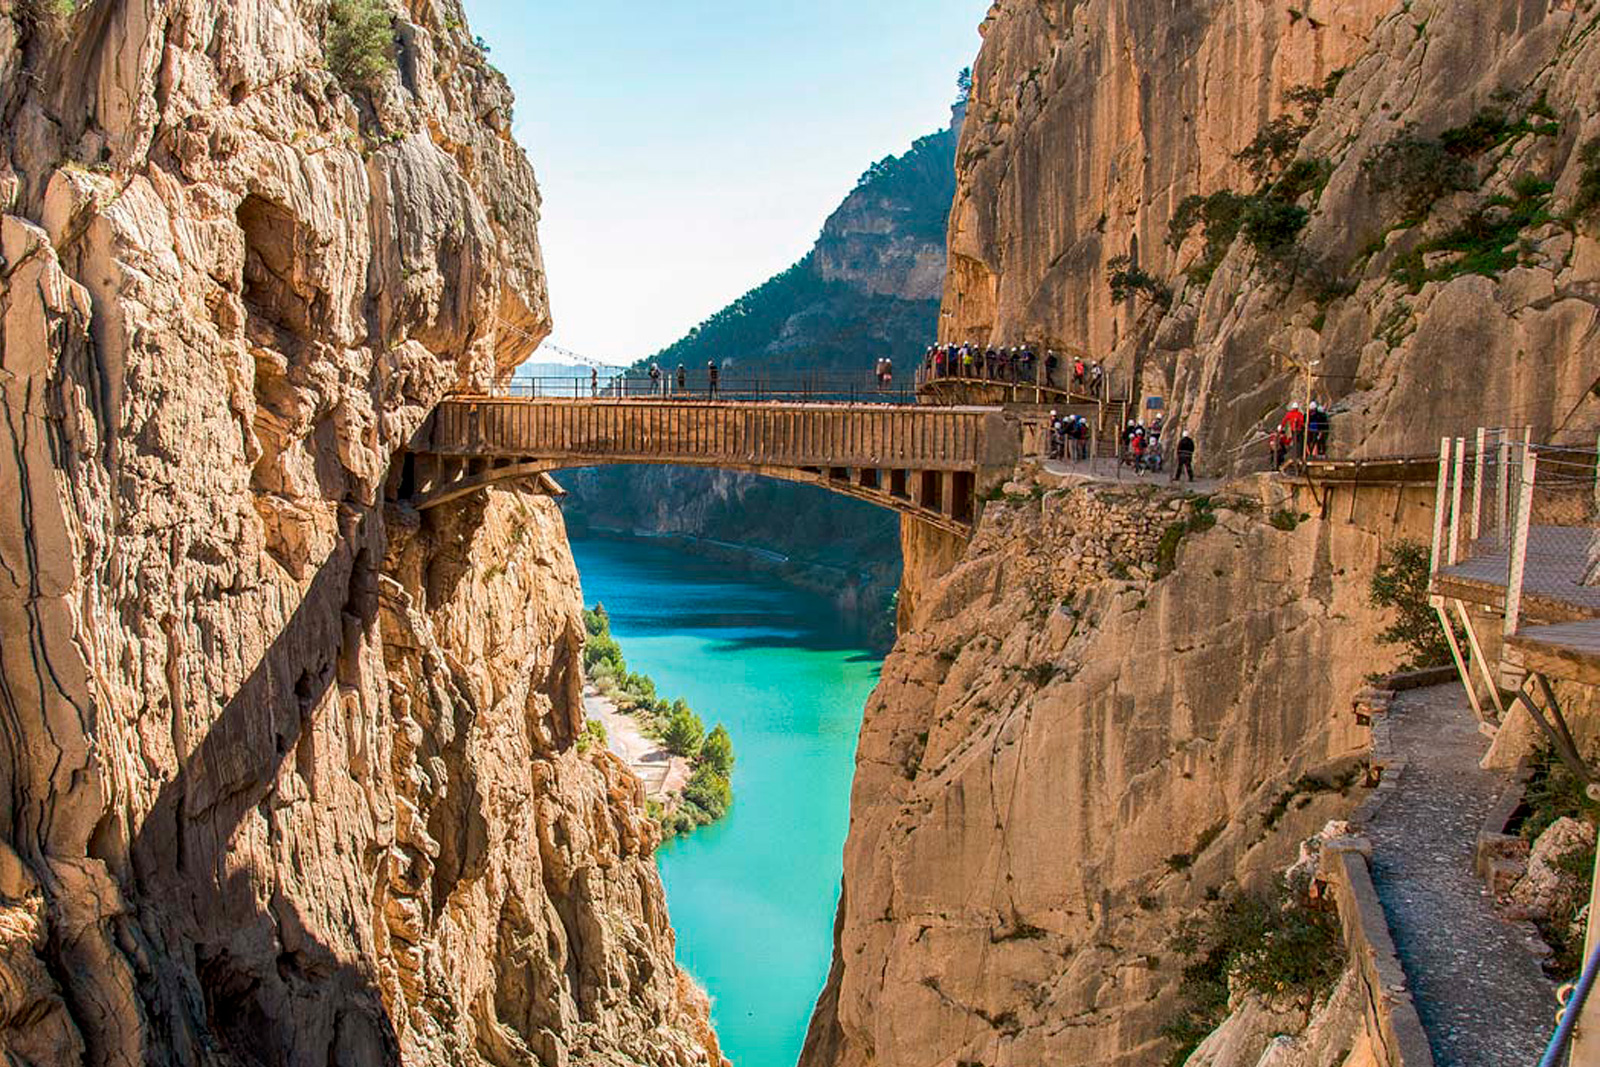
[931, 462]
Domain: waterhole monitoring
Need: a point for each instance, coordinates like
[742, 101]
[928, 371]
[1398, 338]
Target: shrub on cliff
[1275, 945]
[1587, 201]
[358, 40]
[1417, 171]
[1401, 582]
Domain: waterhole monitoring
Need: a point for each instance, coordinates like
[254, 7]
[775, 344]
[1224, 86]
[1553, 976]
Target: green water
[752, 897]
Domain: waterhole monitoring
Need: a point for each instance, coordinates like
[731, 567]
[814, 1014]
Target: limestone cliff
[286, 773]
[1232, 154]
[1098, 716]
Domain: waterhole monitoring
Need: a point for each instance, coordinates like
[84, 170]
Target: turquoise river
[752, 897]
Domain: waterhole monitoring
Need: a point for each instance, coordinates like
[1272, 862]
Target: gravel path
[1482, 996]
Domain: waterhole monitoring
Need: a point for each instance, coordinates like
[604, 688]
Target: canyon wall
[287, 773]
[1098, 717]
[1418, 313]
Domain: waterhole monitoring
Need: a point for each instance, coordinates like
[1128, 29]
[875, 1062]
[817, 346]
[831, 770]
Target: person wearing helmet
[1293, 427]
[712, 376]
[1185, 454]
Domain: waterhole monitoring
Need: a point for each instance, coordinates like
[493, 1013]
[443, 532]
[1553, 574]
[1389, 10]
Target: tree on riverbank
[709, 793]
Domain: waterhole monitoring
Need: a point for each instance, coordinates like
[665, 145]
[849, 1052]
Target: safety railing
[1038, 374]
[699, 386]
[1572, 1008]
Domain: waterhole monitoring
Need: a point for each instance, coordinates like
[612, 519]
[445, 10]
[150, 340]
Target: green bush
[716, 751]
[1274, 945]
[1417, 171]
[593, 735]
[1220, 215]
[1275, 144]
[1401, 582]
[1127, 281]
[1485, 240]
[684, 732]
[358, 41]
[1284, 519]
[1272, 226]
[709, 791]
[1587, 201]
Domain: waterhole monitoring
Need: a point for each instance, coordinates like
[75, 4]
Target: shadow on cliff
[230, 967]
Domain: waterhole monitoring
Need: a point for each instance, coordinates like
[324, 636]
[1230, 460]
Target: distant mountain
[870, 287]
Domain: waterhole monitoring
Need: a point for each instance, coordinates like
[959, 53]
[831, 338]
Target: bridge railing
[1060, 379]
[697, 386]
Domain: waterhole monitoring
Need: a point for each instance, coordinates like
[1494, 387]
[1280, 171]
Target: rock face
[1093, 121]
[1097, 715]
[286, 774]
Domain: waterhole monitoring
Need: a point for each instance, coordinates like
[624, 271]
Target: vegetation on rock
[1275, 945]
[709, 793]
[359, 42]
[1401, 582]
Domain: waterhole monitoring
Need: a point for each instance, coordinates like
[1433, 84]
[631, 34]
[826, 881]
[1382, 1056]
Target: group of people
[884, 372]
[1016, 365]
[1302, 434]
[672, 383]
[1142, 446]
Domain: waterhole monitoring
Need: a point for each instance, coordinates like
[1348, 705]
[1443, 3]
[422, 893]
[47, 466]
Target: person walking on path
[655, 378]
[1185, 457]
[594, 382]
[1293, 427]
[683, 379]
[711, 379]
[1317, 431]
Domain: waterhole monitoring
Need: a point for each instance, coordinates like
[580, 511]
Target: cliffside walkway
[1481, 994]
[928, 461]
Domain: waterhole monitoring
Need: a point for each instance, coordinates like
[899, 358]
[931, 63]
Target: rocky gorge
[290, 771]
[274, 752]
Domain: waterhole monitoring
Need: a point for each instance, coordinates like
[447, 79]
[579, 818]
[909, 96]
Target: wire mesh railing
[1523, 516]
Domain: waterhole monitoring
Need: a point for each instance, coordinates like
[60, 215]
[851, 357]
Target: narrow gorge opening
[781, 650]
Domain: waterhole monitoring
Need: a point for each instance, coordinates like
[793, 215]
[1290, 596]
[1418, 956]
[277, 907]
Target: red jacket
[1293, 422]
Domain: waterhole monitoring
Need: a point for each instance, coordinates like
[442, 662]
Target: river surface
[752, 897]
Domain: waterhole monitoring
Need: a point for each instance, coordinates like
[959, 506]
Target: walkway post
[1455, 500]
[1477, 486]
[1441, 500]
[1517, 560]
[1503, 502]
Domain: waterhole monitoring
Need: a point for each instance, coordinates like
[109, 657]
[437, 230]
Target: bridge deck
[745, 434]
[927, 461]
[1553, 589]
[1568, 650]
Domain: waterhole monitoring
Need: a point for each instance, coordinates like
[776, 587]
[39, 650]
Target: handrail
[854, 389]
[1570, 1011]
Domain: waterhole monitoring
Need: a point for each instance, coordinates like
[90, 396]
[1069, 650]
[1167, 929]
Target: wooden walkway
[1552, 590]
[1569, 650]
[928, 461]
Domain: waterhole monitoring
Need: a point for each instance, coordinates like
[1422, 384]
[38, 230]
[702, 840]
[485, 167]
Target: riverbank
[663, 774]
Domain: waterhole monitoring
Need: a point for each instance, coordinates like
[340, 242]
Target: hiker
[1317, 430]
[1185, 457]
[885, 372]
[711, 379]
[655, 379]
[1051, 362]
[967, 359]
[1278, 446]
[1097, 377]
[594, 382]
[683, 379]
[1077, 373]
[1293, 427]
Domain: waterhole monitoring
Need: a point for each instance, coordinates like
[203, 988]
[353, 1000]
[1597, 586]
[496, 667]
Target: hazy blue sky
[689, 149]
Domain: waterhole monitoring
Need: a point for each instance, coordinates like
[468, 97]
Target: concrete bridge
[934, 463]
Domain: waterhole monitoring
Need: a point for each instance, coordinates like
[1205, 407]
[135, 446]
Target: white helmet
[1295, 406]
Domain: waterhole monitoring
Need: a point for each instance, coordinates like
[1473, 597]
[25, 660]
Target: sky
[687, 150]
